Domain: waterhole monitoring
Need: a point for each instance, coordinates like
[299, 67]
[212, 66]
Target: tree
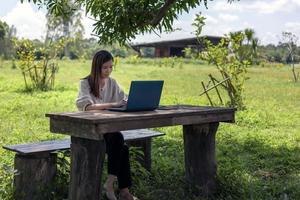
[7, 33]
[290, 40]
[122, 20]
[248, 44]
[225, 56]
[38, 74]
[231, 56]
[3, 27]
[68, 26]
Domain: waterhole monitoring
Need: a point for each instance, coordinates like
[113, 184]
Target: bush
[38, 66]
[267, 64]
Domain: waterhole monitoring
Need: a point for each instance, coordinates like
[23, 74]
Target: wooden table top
[103, 116]
[91, 124]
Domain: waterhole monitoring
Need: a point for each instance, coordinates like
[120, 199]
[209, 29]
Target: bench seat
[63, 144]
[35, 163]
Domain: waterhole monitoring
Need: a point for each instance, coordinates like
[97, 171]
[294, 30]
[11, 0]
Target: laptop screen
[144, 95]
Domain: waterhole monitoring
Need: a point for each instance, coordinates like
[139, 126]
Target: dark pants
[118, 158]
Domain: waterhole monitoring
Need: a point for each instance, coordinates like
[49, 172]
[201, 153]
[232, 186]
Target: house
[169, 48]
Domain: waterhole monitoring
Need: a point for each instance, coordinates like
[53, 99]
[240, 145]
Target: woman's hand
[119, 104]
[103, 106]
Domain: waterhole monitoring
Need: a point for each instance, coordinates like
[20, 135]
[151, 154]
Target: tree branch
[162, 12]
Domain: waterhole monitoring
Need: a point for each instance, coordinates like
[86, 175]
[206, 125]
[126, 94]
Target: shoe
[109, 195]
[128, 197]
[135, 198]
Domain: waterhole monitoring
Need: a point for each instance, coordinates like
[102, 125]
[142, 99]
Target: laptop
[143, 96]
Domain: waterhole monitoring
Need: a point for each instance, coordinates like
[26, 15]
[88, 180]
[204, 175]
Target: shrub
[38, 66]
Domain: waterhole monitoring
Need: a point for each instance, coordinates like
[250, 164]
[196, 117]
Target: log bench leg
[145, 144]
[87, 158]
[200, 161]
[34, 176]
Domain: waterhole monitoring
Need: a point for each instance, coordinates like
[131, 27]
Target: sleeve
[84, 96]
[118, 93]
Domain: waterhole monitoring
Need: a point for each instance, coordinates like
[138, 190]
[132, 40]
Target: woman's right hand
[119, 104]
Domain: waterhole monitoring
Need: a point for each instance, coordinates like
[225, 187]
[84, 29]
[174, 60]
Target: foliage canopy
[122, 20]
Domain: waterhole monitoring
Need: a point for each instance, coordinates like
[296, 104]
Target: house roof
[178, 43]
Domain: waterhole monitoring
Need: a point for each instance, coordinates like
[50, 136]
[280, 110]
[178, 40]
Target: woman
[99, 91]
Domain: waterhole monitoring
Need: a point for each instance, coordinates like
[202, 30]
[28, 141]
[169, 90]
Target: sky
[269, 18]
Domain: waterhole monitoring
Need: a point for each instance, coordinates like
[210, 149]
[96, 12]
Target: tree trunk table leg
[87, 158]
[199, 152]
[34, 176]
[145, 144]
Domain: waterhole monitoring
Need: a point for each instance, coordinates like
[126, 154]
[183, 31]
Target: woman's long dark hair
[94, 78]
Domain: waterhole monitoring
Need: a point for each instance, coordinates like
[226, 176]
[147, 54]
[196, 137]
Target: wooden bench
[35, 163]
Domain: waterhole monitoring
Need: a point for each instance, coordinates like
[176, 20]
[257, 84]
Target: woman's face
[106, 69]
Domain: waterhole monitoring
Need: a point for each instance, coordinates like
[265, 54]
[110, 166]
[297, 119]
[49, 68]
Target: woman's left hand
[119, 104]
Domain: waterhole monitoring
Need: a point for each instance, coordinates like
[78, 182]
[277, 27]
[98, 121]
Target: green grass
[258, 156]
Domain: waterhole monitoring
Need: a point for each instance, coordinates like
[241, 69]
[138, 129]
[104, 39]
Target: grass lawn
[258, 156]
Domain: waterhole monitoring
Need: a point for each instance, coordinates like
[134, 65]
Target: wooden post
[212, 87]
[206, 93]
[87, 158]
[145, 144]
[214, 83]
[34, 176]
[200, 161]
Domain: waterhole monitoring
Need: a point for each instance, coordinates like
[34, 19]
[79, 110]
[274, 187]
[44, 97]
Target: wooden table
[200, 125]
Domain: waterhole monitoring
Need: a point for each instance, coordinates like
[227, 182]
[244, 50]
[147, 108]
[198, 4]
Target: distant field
[258, 156]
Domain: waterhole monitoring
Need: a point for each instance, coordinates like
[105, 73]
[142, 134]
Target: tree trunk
[35, 175]
[293, 70]
[87, 158]
[199, 151]
[66, 33]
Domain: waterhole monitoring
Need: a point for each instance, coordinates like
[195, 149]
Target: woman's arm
[84, 97]
[104, 106]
